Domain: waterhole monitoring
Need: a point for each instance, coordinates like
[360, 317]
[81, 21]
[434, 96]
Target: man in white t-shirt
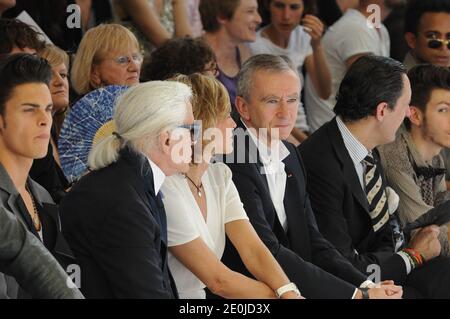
[358, 32]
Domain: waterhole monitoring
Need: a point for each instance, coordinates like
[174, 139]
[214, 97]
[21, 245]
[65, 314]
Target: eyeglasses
[194, 130]
[437, 43]
[125, 60]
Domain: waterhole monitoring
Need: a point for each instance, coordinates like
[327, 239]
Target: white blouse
[185, 221]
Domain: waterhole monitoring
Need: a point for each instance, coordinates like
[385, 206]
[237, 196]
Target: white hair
[142, 113]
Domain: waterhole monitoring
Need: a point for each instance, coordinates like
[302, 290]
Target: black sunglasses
[437, 43]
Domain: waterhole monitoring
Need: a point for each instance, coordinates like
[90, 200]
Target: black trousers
[432, 280]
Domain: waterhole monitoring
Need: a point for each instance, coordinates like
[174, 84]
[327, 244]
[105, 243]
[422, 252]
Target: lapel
[144, 173]
[295, 206]
[348, 168]
[14, 202]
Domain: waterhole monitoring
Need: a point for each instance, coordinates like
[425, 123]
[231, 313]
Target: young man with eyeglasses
[427, 32]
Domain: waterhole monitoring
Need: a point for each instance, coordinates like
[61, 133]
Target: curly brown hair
[15, 33]
[178, 56]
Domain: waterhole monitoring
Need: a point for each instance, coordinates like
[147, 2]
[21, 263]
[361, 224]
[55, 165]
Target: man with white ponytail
[113, 217]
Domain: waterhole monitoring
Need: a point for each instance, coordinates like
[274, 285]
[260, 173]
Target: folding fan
[89, 120]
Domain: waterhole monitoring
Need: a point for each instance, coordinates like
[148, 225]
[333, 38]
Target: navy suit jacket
[116, 227]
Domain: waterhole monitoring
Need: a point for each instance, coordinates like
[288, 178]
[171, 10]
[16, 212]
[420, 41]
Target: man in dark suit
[270, 178]
[23, 257]
[114, 218]
[354, 209]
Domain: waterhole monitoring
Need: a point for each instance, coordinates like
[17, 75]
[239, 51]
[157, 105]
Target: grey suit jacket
[9, 200]
[24, 257]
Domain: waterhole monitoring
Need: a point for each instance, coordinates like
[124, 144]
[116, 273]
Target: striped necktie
[376, 194]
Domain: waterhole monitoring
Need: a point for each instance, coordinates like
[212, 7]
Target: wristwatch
[286, 288]
[364, 293]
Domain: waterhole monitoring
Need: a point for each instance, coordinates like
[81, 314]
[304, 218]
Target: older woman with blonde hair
[203, 207]
[108, 55]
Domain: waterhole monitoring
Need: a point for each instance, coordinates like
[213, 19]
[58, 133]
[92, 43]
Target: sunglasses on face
[194, 130]
[438, 43]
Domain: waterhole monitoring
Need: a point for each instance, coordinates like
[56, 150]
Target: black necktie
[376, 194]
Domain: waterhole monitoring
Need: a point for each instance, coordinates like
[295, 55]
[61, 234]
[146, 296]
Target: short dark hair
[424, 79]
[178, 56]
[21, 68]
[417, 8]
[210, 10]
[370, 80]
[15, 33]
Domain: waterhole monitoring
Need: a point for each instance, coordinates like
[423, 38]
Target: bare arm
[201, 261]
[146, 20]
[316, 64]
[256, 256]
[180, 17]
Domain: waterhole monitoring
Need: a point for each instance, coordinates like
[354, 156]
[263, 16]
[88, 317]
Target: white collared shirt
[273, 169]
[158, 176]
[355, 148]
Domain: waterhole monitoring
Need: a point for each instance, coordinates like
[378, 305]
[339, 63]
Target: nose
[258, 18]
[283, 110]
[233, 123]
[45, 118]
[133, 66]
[286, 13]
[57, 80]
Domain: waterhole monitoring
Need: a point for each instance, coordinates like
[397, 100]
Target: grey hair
[142, 113]
[265, 62]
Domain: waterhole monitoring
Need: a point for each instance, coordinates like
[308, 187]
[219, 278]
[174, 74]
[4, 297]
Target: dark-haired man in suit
[353, 207]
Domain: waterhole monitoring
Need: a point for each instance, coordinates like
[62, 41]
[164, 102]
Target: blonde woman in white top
[203, 207]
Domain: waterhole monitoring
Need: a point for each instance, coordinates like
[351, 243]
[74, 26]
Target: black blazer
[300, 251]
[116, 227]
[341, 206]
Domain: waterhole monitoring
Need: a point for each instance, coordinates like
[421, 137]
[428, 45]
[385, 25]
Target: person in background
[154, 21]
[5, 5]
[180, 56]
[18, 37]
[427, 32]
[228, 24]
[108, 55]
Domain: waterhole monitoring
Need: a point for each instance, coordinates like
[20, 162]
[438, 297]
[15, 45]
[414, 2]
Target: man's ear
[411, 40]
[381, 111]
[164, 142]
[416, 116]
[242, 108]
